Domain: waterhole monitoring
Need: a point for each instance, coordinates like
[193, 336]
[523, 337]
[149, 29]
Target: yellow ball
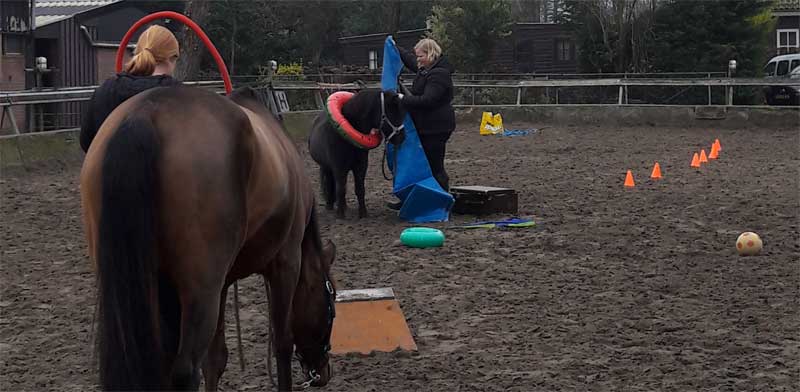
[748, 244]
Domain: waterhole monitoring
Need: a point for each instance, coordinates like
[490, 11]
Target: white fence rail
[309, 95]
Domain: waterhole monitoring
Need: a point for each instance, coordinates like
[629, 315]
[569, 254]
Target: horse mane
[312, 230]
[363, 111]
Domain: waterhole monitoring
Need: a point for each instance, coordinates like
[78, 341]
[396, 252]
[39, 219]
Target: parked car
[785, 68]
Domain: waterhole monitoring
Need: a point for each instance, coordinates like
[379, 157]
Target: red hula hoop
[226, 78]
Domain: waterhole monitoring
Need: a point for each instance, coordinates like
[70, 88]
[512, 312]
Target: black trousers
[435, 146]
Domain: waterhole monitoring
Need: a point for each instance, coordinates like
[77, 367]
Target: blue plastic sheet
[423, 198]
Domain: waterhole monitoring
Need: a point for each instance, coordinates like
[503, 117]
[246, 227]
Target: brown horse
[183, 193]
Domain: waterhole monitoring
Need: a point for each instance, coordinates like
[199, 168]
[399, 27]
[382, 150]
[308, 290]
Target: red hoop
[226, 78]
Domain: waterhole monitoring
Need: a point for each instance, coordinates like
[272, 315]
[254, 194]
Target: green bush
[293, 69]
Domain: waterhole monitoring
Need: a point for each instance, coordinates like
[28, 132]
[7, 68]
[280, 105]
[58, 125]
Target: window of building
[788, 38]
[13, 44]
[373, 59]
[564, 50]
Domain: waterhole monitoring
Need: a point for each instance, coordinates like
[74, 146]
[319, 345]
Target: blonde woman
[430, 103]
[152, 65]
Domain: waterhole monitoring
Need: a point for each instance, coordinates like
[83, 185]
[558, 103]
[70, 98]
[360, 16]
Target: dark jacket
[430, 104]
[110, 95]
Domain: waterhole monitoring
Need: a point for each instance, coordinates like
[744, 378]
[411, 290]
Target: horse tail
[129, 332]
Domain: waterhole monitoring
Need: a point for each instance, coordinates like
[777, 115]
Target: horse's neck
[359, 113]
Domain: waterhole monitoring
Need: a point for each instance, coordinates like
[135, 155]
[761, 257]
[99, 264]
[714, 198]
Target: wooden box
[482, 200]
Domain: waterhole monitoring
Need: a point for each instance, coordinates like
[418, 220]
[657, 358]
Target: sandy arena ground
[615, 289]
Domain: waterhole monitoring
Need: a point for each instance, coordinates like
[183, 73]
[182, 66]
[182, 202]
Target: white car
[785, 67]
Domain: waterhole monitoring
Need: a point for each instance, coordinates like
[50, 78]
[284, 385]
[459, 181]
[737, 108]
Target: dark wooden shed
[367, 50]
[531, 48]
[80, 39]
[787, 27]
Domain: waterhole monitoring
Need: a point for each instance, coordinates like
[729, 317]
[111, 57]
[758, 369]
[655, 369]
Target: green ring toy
[422, 237]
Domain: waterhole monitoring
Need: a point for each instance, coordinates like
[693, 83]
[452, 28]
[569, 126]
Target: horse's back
[278, 180]
[330, 149]
[318, 138]
[203, 161]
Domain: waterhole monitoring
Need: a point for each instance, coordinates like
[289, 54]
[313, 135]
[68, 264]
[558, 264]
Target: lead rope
[270, 335]
[383, 163]
[238, 326]
[92, 334]
[386, 141]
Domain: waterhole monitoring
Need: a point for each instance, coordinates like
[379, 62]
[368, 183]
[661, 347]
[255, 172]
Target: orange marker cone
[719, 146]
[656, 172]
[695, 161]
[714, 152]
[703, 156]
[629, 179]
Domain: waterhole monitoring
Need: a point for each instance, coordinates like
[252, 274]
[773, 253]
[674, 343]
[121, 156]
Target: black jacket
[430, 104]
[110, 95]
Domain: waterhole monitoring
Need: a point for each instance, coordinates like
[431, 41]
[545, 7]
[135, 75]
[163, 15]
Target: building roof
[786, 6]
[46, 12]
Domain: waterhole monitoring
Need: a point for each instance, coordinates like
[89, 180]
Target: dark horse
[183, 193]
[337, 157]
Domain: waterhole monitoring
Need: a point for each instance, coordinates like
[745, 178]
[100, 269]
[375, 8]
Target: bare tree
[192, 48]
[527, 10]
[624, 28]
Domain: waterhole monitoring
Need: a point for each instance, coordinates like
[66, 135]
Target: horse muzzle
[317, 377]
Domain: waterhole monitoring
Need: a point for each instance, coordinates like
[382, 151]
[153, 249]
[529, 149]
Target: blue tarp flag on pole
[423, 198]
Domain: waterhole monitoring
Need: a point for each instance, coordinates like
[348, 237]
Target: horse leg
[282, 281]
[359, 175]
[217, 358]
[328, 187]
[341, 190]
[199, 310]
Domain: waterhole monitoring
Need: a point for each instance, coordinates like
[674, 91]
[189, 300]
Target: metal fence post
[318, 100]
[729, 95]
[7, 111]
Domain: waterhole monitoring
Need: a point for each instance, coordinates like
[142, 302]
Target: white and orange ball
[748, 244]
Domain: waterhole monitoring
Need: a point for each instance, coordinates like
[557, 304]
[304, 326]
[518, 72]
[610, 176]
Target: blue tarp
[423, 198]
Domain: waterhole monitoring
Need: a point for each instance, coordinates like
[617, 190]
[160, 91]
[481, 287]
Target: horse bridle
[385, 120]
[395, 130]
[325, 343]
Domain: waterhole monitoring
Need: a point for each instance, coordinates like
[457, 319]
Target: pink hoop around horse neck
[226, 78]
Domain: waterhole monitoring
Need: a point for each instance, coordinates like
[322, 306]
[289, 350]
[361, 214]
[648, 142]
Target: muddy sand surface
[614, 289]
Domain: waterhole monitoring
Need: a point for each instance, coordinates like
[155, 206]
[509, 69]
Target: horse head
[313, 314]
[393, 114]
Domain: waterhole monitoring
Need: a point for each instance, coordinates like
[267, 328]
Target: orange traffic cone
[695, 161]
[656, 172]
[719, 146]
[714, 152]
[629, 180]
[703, 156]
